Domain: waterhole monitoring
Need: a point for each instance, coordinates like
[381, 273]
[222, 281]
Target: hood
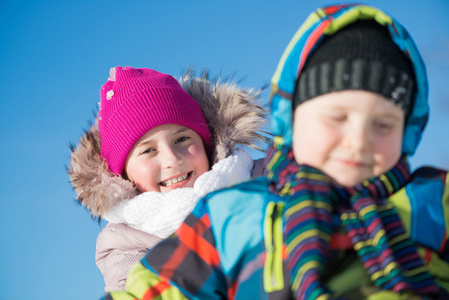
[327, 21]
[235, 117]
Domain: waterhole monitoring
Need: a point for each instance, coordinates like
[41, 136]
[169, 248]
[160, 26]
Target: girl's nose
[171, 158]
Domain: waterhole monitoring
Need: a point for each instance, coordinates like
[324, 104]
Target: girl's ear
[210, 156]
[125, 176]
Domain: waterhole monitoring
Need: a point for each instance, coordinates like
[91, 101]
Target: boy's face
[167, 157]
[350, 135]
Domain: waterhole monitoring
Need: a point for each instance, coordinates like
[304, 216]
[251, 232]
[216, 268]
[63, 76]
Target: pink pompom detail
[111, 74]
[109, 94]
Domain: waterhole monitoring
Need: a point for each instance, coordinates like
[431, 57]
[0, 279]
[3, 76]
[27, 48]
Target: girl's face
[350, 135]
[167, 157]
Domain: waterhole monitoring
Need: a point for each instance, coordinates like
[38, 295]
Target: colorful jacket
[231, 246]
[235, 117]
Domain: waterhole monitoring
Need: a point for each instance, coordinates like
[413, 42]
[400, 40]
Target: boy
[337, 215]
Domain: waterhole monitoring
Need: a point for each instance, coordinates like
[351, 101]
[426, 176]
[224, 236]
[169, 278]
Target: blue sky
[54, 57]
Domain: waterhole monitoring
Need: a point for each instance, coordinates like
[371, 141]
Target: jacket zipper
[273, 268]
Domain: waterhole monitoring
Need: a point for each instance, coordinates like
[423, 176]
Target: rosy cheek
[387, 154]
[194, 151]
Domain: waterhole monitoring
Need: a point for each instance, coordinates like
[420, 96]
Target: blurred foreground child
[340, 215]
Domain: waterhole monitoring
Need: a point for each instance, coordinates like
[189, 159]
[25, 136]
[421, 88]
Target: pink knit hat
[133, 101]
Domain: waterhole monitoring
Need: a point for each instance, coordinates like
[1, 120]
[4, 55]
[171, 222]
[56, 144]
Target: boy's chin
[349, 181]
[349, 176]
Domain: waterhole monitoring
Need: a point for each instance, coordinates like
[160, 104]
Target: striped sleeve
[144, 284]
[190, 261]
[187, 264]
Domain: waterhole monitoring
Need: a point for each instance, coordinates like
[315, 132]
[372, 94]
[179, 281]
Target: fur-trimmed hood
[235, 117]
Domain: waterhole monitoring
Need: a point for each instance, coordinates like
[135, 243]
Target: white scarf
[161, 214]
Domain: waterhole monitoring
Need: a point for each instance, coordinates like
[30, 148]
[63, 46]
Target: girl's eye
[182, 139]
[149, 150]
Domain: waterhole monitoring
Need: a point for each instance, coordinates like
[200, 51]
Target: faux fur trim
[235, 117]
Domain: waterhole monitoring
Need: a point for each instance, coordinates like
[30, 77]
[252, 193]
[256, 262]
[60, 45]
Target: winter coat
[240, 253]
[235, 117]
[119, 247]
[231, 246]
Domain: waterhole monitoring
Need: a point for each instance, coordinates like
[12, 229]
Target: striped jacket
[231, 246]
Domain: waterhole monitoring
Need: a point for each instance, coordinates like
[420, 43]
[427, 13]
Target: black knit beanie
[361, 56]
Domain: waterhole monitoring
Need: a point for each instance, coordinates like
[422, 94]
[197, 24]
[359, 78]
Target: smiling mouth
[172, 181]
[353, 163]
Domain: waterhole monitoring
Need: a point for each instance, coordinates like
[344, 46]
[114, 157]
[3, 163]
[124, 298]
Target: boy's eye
[383, 126]
[182, 139]
[337, 117]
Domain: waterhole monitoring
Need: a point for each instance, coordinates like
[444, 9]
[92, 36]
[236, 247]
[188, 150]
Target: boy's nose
[358, 138]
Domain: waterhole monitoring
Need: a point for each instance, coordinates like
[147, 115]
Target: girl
[153, 137]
